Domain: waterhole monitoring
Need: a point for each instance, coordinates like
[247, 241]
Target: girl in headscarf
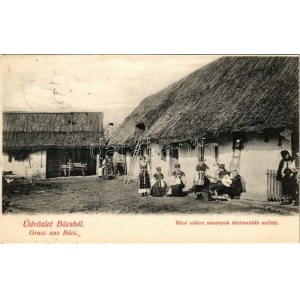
[144, 179]
[285, 172]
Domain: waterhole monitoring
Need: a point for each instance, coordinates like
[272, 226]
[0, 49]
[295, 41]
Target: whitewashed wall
[36, 169]
[256, 158]
[158, 161]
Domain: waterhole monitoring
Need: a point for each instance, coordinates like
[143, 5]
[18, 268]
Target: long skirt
[158, 189]
[177, 190]
[200, 187]
[144, 186]
[236, 188]
[220, 188]
[108, 170]
[120, 168]
[289, 187]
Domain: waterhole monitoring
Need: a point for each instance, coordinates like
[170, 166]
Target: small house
[44, 145]
[239, 111]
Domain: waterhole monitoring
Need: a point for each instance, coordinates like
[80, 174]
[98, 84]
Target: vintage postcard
[149, 148]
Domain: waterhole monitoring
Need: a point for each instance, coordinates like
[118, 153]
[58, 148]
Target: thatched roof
[228, 95]
[39, 130]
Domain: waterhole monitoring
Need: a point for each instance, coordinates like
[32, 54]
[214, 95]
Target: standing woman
[285, 172]
[108, 170]
[101, 168]
[144, 178]
[236, 187]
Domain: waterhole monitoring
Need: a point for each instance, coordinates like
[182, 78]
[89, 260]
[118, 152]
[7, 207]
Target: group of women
[108, 168]
[218, 180]
[214, 176]
[157, 186]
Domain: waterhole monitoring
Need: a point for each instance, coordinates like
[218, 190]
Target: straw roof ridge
[230, 94]
[32, 130]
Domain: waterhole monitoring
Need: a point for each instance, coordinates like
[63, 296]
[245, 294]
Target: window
[173, 152]
[209, 150]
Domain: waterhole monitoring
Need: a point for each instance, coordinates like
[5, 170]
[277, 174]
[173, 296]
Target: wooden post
[268, 183]
[202, 148]
[280, 190]
[277, 188]
[168, 159]
[274, 183]
[271, 184]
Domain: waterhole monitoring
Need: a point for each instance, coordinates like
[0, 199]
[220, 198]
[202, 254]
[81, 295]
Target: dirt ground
[92, 195]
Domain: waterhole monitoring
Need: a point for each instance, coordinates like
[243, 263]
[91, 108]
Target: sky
[112, 84]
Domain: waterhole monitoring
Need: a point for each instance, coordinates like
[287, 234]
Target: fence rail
[274, 189]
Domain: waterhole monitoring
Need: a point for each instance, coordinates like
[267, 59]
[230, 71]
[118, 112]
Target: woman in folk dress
[201, 181]
[144, 178]
[177, 182]
[159, 186]
[287, 175]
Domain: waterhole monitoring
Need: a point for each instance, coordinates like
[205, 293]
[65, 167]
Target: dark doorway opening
[140, 127]
[56, 157]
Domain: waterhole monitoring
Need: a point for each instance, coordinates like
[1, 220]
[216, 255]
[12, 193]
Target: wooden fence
[274, 189]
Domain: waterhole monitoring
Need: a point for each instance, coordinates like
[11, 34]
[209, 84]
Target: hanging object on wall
[279, 141]
[239, 139]
[286, 133]
[238, 144]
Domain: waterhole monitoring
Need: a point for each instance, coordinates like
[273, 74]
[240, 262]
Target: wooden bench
[67, 168]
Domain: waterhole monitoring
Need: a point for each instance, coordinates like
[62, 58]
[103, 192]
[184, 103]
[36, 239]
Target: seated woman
[220, 181]
[201, 181]
[177, 182]
[224, 181]
[159, 185]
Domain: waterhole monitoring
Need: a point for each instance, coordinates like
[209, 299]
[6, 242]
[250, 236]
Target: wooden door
[53, 162]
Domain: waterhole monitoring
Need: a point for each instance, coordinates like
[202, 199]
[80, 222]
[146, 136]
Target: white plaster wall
[257, 157]
[157, 161]
[225, 155]
[36, 169]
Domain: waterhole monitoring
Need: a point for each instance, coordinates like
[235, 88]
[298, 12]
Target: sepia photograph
[95, 145]
[149, 150]
[150, 134]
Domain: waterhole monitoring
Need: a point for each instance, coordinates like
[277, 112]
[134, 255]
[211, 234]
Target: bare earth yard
[91, 195]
